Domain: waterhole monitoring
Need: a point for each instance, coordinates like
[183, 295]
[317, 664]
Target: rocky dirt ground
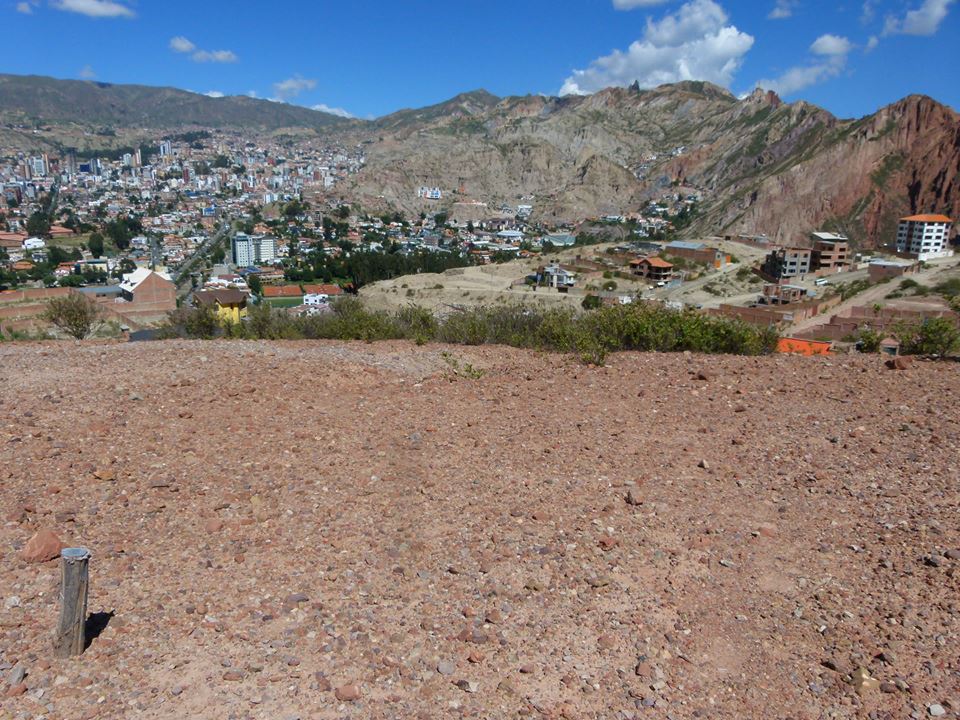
[322, 530]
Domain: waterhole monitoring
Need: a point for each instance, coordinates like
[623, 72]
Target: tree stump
[71, 638]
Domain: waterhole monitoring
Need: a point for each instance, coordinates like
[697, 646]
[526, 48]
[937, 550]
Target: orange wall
[807, 348]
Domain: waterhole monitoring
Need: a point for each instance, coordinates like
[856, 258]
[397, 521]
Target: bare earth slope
[270, 521]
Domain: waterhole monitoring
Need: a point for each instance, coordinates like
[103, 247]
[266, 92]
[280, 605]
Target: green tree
[38, 224]
[95, 244]
[591, 302]
[933, 336]
[255, 284]
[75, 314]
[342, 212]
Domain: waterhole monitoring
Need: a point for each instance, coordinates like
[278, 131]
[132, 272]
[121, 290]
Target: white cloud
[339, 112]
[631, 4]
[180, 44]
[831, 45]
[252, 93]
[87, 73]
[925, 20]
[213, 94]
[872, 43]
[832, 51]
[782, 10]
[95, 8]
[692, 43]
[25, 7]
[291, 87]
[216, 56]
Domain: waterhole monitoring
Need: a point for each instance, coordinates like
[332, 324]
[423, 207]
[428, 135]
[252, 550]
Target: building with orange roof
[925, 236]
[282, 291]
[325, 289]
[653, 268]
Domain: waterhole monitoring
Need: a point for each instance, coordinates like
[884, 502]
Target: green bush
[75, 314]
[933, 336]
[592, 334]
[868, 340]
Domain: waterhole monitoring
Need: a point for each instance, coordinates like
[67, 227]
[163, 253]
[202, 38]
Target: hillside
[764, 166]
[30, 99]
[667, 536]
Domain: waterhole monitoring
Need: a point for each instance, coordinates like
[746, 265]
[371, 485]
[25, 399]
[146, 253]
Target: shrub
[191, 322]
[868, 341]
[933, 336]
[592, 335]
[75, 314]
[591, 302]
[610, 286]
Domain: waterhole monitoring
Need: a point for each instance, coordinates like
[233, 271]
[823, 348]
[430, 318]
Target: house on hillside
[555, 276]
[831, 252]
[697, 252]
[144, 286]
[787, 262]
[230, 304]
[653, 268]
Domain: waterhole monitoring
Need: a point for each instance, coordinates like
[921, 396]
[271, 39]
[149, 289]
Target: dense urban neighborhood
[210, 219]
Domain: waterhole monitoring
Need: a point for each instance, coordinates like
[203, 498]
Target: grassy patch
[891, 163]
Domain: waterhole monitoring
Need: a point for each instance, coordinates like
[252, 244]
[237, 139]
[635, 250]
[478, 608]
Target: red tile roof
[658, 262]
[323, 289]
[927, 218]
[282, 291]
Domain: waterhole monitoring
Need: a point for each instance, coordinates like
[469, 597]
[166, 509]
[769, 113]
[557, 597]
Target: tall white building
[249, 250]
[925, 236]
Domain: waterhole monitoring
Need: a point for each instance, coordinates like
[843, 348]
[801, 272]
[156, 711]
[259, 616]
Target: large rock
[347, 693]
[43, 546]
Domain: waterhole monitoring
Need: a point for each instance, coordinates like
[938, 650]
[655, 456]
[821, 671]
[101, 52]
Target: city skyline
[372, 58]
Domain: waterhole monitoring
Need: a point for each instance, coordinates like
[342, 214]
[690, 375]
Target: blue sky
[371, 57]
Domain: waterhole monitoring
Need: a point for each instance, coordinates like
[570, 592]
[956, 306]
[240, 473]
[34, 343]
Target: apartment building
[250, 250]
[925, 236]
[830, 251]
[787, 262]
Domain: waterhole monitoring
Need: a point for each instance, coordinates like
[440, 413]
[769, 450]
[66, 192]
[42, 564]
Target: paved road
[182, 277]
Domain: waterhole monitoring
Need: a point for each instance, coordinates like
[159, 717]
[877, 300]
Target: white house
[34, 243]
[316, 299]
[556, 277]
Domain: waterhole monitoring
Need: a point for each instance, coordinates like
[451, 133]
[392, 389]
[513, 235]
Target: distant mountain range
[764, 166]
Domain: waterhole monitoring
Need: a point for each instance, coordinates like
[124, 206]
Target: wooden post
[71, 637]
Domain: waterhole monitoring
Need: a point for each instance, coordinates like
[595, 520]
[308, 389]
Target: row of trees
[363, 267]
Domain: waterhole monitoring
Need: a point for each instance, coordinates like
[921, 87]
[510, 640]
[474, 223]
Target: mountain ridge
[763, 165]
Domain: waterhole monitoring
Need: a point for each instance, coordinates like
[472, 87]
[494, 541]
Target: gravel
[315, 529]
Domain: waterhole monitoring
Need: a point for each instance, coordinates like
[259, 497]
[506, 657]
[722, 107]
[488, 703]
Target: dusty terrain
[279, 527]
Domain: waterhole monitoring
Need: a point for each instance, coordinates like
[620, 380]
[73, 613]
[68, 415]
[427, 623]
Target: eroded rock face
[765, 166]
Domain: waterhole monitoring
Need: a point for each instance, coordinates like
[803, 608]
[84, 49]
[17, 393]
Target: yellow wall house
[231, 305]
